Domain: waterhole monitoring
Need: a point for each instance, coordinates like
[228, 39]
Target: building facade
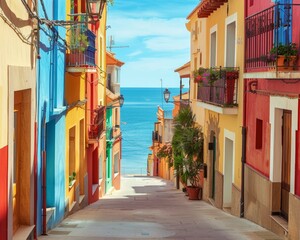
[18, 122]
[272, 173]
[51, 117]
[113, 122]
[220, 94]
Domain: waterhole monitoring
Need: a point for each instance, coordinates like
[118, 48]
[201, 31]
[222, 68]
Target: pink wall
[257, 107]
[3, 192]
[257, 6]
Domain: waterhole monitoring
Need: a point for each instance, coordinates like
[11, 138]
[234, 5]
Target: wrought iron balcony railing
[81, 41]
[218, 85]
[97, 126]
[269, 35]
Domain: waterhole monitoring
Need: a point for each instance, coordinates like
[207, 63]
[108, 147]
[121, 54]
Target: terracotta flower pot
[195, 193]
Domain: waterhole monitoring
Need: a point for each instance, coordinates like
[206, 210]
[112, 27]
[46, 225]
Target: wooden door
[16, 160]
[286, 162]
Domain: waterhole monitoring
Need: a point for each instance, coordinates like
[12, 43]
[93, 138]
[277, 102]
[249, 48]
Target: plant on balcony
[198, 74]
[285, 54]
[79, 41]
[211, 75]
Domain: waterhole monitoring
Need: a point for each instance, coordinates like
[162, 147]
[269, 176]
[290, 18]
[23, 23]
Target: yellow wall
[232, 123]
[101, 50]
[73, 118]
[25, 54]
[197, 28]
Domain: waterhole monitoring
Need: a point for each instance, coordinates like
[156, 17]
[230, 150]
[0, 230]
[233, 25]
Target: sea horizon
[138, 116]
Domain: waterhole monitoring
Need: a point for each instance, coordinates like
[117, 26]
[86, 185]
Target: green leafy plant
[72, 178]
[187, 146]
[286, 50]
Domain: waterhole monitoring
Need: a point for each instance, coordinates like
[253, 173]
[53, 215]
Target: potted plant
[231, 75]
[198, 74]
[286, 54]
[187, 146]
[72, 179]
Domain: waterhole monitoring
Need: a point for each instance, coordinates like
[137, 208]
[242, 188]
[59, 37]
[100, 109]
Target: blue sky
[157, 38]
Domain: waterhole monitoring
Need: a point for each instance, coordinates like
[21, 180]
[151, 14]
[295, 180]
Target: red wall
[3, 192]
[92, 169]
[257, 106]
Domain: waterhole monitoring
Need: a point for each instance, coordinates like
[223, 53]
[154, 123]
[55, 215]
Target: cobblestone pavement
[151, 208]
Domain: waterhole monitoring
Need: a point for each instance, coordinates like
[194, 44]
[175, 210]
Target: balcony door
[230, 45]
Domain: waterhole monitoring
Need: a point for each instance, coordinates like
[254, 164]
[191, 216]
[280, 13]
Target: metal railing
[219, 86]
[266, 32]
[134, 171]
[97, 126]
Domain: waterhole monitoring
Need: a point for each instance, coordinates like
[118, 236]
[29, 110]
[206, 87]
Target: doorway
[286, 162]
[228, 173]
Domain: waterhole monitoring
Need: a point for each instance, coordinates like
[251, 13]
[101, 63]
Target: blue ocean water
[138, 116]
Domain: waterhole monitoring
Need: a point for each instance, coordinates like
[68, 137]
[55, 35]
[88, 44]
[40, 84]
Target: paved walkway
[150, 208]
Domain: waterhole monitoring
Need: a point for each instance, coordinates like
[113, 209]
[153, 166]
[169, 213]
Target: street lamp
[167, 95]
[121, 100]
[95, 8]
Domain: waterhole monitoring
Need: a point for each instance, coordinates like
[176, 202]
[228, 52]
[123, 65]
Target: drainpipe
[44, 214]
[244, 129]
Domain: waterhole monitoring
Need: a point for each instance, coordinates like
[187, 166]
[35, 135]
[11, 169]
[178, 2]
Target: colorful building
[217, 96]
[271, 120]
[79, 64]
[113, 122]
[51, 117]
[18, 121]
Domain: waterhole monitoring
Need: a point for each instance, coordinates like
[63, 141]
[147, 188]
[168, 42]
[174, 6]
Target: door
[108, 182]
[228, 173]
[286, 162]
[213, 168]
[16, 161]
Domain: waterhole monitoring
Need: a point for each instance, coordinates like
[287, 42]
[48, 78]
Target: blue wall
[50, 95]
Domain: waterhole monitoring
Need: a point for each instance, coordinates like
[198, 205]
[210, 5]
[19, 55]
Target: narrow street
[151, 208]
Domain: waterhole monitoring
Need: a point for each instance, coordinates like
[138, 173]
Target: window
[116, 162]
[213, 49]
[259, 134]
[116, 117]
[117, 75]
[251, 2]
[230, 45]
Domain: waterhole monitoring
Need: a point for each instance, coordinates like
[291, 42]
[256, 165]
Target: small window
[251, 2]
[200, 59]
[259, 134]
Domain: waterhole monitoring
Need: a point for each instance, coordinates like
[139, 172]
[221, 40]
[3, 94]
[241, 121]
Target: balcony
[97, 126]
[218, 86]
[80, 56]
[269, 35]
